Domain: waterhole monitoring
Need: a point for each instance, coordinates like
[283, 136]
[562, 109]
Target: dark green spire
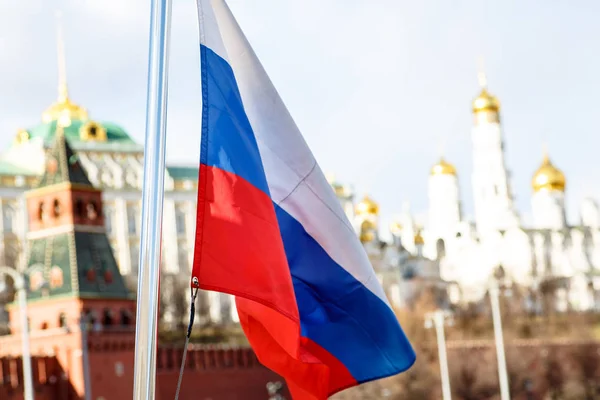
[62, 164]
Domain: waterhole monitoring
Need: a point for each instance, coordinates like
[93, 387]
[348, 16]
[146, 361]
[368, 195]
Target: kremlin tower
[494, 209]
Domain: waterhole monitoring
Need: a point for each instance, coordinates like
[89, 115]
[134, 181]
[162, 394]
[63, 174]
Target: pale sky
[378, 87]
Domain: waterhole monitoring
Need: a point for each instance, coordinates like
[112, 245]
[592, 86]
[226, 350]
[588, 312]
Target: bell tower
[494, 208]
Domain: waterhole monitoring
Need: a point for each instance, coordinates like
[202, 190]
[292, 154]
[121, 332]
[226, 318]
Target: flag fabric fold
[271, 231]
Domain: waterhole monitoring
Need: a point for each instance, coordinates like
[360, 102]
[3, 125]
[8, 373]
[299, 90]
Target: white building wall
[494, 208]
[590, 214]
[444, 205]
[549, 209]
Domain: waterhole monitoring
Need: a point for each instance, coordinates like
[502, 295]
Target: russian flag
[271, 231]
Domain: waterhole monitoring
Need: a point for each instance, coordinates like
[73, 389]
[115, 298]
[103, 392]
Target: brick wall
[211, 373]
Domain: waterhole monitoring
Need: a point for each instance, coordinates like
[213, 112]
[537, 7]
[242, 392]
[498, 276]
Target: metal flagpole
[502, 374]
[438, 318]
[152, 202]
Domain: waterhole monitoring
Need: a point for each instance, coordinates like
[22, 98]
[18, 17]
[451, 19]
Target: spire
[441, 147]
[545, 153]
[485, 102]
[64, 111]
[63, 93]
[63, 165]
[481, 77]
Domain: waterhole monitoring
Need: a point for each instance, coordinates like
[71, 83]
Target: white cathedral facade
[550, 256]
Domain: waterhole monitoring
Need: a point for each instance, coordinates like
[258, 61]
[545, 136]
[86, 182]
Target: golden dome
[548, 177]
[367, 231]
[396, 228]
[367, 207]
[22, 137]
[443, 168]
[486, 102]
[419, 241]
[367, 236]
[64, 110]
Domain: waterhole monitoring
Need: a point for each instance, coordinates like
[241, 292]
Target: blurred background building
[452, 256]
[461, 255]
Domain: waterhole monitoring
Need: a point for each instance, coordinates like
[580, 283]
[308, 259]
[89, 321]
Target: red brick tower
[72, 278]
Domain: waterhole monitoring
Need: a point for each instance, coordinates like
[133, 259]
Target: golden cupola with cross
[64, 111]
[367, 207]
[548, 177]
[443, 167]
[548, 200]
[486, 106]
[485, 101]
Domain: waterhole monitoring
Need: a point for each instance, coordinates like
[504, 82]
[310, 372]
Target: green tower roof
[63, 165]
[79, 264]
[111, 136]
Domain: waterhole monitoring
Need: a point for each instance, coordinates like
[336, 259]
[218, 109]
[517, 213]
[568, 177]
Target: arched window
[8, 217]
[56, 208]
[92, 210]
[107, 319]
[90, 317]
[79, 208]
[40, 213]
[441, 248]
[62, 320]
[125, 318]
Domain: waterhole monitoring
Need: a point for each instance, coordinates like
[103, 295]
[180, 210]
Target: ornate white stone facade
[460, 256]
[551, 255]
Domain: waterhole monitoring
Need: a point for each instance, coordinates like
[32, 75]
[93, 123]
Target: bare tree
[554, 376]
[519, 372]
[587, 360]
[174, 303]
[421, 381]
[474, 378]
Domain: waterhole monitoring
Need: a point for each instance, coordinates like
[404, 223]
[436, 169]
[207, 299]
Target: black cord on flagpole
[193, 293]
